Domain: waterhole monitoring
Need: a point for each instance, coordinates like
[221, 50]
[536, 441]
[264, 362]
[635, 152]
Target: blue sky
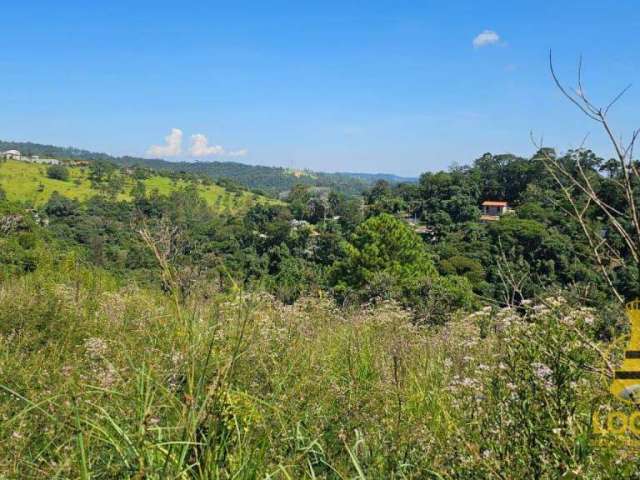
[335, 86]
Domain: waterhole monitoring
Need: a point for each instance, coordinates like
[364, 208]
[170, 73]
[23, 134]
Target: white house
[16, 155]
[11, 155]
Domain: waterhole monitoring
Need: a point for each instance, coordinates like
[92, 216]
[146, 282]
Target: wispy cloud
[238, 153]
[485, 38]
[200, 148]
[172, 146]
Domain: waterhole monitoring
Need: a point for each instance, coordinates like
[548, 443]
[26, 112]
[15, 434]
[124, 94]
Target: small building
[492, 210]
[42, 161]
[11, 155]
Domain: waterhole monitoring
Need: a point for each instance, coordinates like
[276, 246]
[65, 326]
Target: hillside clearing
[28, 182]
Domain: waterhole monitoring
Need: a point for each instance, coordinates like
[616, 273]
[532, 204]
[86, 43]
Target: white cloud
[200, 148]
[487, 37]
[172, 146]
[238, 153]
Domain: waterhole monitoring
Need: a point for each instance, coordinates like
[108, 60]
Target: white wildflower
[95, 347]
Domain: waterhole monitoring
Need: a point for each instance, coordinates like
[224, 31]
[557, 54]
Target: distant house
[492, 210]
[16, 155]
[43, 161]
[11, 155]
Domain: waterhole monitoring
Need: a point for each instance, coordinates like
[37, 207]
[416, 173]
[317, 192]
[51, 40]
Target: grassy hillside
[270, 179]
[29, 182]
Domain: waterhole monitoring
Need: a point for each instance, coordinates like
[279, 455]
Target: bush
[435, 299]
[58, 172]
[60, 206]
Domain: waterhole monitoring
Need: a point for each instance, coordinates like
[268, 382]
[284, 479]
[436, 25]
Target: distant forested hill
[374, 177]
[272, 180]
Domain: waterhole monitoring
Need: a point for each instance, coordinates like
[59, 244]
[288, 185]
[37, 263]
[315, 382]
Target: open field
[28, 182]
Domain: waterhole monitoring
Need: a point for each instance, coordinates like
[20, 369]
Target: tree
[619, 241]
[464, 266]
[385, 259]
[298, 199]
[61, 206]
[58, 172]
[382, 246]
[267, 226]
[100, 171]
[138, 192]
[380, 190]
[290, 276]
[114, 185]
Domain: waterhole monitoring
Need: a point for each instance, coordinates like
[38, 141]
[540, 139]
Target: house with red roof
[492, 210]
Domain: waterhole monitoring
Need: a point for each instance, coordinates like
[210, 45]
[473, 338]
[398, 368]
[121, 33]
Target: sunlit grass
[28, 182]
[102, 380]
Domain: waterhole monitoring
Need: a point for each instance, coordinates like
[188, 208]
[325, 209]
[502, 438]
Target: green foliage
[27, 182]
[61, 206]
[115, 381]
[547, 253]
[291, 277]
[22, 244]
[100, 171]
[271, 180]
[435, 299]
[383, 246]
[58, 172]
[385, 259]
[149, 334]
[468, 267]
[539, 245]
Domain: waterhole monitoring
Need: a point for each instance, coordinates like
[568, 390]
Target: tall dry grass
[101, 380]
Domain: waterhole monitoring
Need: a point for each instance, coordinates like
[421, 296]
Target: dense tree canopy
[421, 244]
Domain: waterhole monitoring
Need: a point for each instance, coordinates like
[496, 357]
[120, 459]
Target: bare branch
[567, 94]
[617, 97]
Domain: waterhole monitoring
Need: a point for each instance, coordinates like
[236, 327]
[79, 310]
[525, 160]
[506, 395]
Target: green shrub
[60, 206]
[58, 172]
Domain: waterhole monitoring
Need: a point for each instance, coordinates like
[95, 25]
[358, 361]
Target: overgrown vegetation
[145, 332]
[106, 380]
[156, 338]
